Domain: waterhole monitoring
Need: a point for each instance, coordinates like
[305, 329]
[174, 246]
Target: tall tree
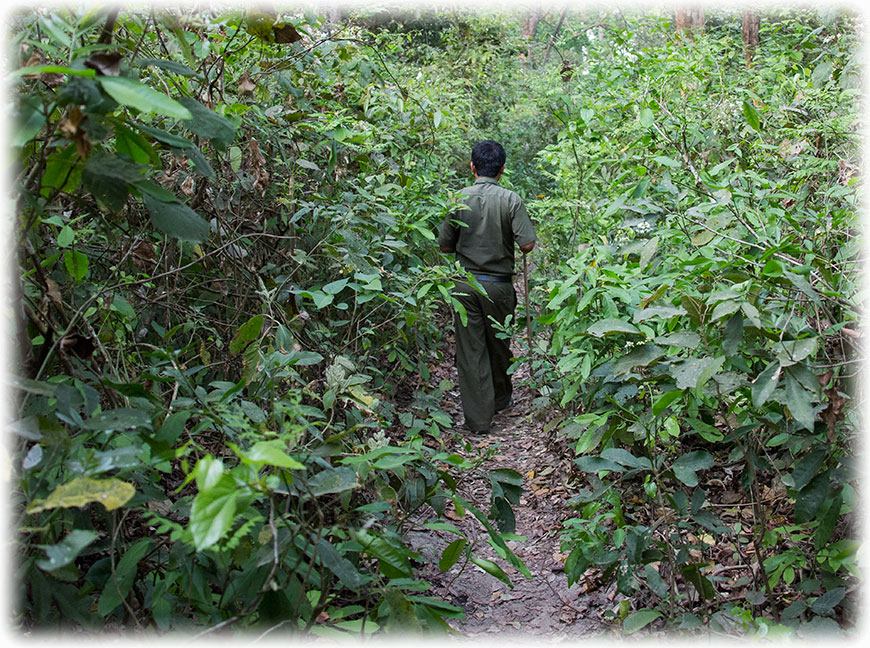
[689, 19]
[555, 35]
[529, 25]
[751, 40]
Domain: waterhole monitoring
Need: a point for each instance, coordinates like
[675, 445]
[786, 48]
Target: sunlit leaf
[111, 493]
[128, 92]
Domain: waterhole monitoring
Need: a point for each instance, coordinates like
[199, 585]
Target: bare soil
[545, 606]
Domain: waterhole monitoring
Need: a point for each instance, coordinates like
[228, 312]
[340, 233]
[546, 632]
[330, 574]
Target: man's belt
[495, 278]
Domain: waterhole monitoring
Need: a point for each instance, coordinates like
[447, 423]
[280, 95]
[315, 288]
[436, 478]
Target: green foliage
[701, 334]
[227, 274]
[227, 268]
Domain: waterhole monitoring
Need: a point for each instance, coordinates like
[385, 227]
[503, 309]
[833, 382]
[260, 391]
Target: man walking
[483, 236]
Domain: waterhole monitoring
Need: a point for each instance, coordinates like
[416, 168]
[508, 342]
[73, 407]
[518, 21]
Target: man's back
[483, 236]
[494, 220]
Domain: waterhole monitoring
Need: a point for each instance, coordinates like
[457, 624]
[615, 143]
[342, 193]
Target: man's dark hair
[488, 158]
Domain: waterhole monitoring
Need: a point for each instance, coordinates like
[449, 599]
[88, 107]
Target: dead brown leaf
[54, 292]
[246, 84]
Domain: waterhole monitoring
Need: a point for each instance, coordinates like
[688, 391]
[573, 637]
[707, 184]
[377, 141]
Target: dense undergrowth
[228, 302]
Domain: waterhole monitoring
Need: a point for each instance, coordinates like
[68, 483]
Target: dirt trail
[543, 607]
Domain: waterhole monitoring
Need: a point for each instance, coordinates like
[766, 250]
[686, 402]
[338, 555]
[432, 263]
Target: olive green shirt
[484, 233]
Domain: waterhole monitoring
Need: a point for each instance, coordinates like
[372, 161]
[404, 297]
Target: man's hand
[528, 247]
[446, 250]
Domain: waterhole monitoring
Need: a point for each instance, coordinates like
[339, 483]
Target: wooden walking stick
[528, 311]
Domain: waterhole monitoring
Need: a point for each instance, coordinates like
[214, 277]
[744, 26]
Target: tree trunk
[555, 34]
[751, 40]
[530, 27]
[689, 20]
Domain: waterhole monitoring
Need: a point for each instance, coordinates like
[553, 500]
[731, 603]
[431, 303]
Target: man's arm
[448, 250]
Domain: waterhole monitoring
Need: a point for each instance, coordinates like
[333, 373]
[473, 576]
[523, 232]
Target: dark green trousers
[482, 359]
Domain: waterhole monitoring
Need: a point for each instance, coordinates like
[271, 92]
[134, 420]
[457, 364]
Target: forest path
[544, 607]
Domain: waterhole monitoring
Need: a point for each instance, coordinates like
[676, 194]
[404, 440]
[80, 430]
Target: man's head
[488, 158]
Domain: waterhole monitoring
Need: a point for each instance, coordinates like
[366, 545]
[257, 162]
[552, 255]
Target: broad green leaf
[134, 146]
[825, 604]
[177, 220]
[706, 431]
[156, 191]
[333, 480]
[402, 619]
[646, 117]
[52, 69]
[822, 74]
[733, 334]
[321, 299]
[664, 312]
[393, 557]
[791, 352]
[811, 497]
[28, 122]
[724, 309]
[506, 476]
[335, 287]
[272, 453]
[648, 251]
[451, 554]
[124, 418]
[308, 165]
[208, 472]
[67, 550]
[702, 237]
[213, 512]
[339, 565]
[807, 467]
[165, 137]
[246, 333]
[692, 573]
[710, 370]
[63, 171]
[128, 92]
[683, 339]
[111, 493]
[773, 268]
[504, 515]
[686, 465]
[492, 569]
[173, 427]
[655, 581]
[597, 464]
[638, 620]
[116, 167]
[694, 372]
[800, 282]
[612, 326]
[207, 123]
[119, 585]
[765, 383]
[110, 192]
[165, 64]
[799, 402]
[666, 161]
[664, 400]
[76, 264]
[751, 115]
[624, 457]
[642, 356]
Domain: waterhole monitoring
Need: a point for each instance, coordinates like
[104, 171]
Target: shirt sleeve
[524, 231]
[448, 236]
